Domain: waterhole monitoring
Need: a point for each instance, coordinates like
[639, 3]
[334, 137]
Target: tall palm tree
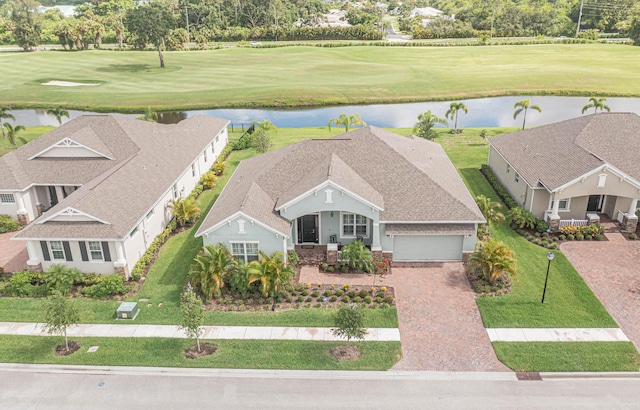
[12, 134]
[149, 115]
[597, 104]
[426, 122]
[347, 121]
[271, 273]
[58, 112]
[4, 113]
[185, 210]
[452, 113]
[523, 106]
[212, 266]
[492, 259]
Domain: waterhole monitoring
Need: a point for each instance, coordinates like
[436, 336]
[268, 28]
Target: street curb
[589, 375]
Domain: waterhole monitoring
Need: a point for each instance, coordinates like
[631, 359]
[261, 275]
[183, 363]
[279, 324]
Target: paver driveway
[612, 270]
[440, 326]
[13, 254]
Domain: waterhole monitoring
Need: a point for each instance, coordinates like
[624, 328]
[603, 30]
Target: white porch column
[632, 207]
[34, 255]
[59, 193]
[556, 206]
[20, 201]
[120, 259]
[375, 241]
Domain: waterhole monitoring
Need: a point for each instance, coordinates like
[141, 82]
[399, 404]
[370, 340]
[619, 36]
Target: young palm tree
[266, 125]
[4, 113]
[490, 209]
[492, 259]
[597, 104]
[271, 273]
[212, 266]
[149, 115]
[58, 112]
[426, 122]
[12, 134]
[185, 210]
[523, 106]
[347, 122]
[452, 113]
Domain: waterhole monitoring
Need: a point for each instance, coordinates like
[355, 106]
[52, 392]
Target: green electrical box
[127, 310]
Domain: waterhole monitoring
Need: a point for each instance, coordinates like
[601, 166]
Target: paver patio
[440, 325]
[612, 270]
[13, 254]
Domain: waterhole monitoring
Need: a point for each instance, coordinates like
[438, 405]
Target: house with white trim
[573, 171]
[94, 192]
[400, 195]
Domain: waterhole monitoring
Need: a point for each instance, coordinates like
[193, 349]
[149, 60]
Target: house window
[95, 250]
[329, 196]
[602, 180]
[193, 170]
[516, 177]
[57, 250]
[213, 150]
[563, 206]
[175, 191]
[7, 199]
[354, 225]
[204, 155]
[149, 215]
[245, 251]
[217, 137]
[134, 232]
[508, 168]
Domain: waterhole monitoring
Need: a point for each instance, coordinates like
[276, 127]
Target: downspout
[533, 195]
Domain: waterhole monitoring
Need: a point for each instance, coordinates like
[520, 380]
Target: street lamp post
[550, 257]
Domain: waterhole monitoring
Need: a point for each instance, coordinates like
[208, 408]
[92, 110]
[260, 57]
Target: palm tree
[347, 121]
[4, 113]
[12, 134]
[524, 105]
[185, 210]
[271, 273]
[426, 122]
[265, 125]
[452, 113]
[493, 259]
[58, 112]
[212, 266]
[597, 104]
[149, 115]
[490, 209]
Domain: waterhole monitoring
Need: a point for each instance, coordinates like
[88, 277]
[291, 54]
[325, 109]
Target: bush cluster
[497, 187]
[107, 286]
[8, 224]
[587, 230]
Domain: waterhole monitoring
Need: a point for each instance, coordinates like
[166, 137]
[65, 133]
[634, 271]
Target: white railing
[621, 216]
[573, 222]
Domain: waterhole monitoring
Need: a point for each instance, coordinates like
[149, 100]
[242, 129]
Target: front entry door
[595, 203]
[308, 229]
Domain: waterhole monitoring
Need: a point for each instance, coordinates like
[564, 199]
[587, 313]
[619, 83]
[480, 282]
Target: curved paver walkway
[612, 270]
[13, 254]
[440, 325]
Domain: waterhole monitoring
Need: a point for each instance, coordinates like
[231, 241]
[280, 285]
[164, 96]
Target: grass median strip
[232, 354]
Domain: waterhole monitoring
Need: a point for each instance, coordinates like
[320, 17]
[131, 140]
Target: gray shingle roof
[414, 177]
[123, 193]
[556, 154]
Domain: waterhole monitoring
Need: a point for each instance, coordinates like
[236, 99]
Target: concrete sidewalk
[210, 332]
[557, 335]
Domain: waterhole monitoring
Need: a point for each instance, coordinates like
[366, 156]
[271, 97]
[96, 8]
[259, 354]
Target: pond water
[482, 112]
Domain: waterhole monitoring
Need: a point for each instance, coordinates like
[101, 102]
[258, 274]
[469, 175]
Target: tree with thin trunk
[12, 134]
[60, 314]
[271, 273]
[597, 104]
[58, 112]
[213, 264]
[452, 113]
[151, 24]
[424, 128]
[4, 114]
[347, 121]
[523, 106]
[192, 315]
[349, 322]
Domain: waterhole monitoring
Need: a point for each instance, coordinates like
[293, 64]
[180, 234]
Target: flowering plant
[380, 266]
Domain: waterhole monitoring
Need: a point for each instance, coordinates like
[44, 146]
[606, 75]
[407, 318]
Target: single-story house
[400, 195]
[570, 172]
[94, 191]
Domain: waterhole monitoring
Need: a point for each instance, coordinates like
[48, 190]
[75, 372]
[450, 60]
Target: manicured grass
[295, 76]
[235, 354]
[29, 134]
[568, 356]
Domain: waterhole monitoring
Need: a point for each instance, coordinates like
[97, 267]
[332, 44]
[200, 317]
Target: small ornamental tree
[424, 128]
[60, 314]
[349, 322]
[192, 316]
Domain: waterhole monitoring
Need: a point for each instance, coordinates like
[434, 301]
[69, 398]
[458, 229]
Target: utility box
[127, 310]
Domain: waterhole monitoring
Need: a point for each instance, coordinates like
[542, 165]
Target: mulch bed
[206, 349]
[346, 352]
[481, 287]
[61, 350]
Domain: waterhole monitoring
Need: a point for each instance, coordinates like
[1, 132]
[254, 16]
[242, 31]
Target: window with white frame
[516, 177]
[133, 232]
[175, 191]
[563, 205]
[193, 170]
[7, 199]
[213, 149]
[95, 250]
[57, 250]
[354, 225]
[508, 168]
[217, 137]
[602, 180]
[204, 155]
[149, 215]
[245, 251]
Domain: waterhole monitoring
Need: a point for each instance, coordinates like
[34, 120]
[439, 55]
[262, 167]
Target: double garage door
[427, 247]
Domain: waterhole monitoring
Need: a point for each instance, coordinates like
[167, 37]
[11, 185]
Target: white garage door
[427, 247]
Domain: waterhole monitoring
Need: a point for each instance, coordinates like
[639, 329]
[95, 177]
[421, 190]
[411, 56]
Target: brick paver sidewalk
[13, 254]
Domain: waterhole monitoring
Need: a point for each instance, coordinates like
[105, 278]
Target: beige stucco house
[94, 191]
[573, 171]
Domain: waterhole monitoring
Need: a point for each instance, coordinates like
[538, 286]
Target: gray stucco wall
[506, 176]
[267, 240]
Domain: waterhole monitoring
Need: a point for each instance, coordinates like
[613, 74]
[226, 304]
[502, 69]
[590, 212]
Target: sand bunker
[67, 83]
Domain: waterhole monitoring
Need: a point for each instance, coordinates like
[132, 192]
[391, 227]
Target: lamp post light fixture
[550, 256]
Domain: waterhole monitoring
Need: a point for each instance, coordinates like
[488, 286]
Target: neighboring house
[66, 11]
[571, 171]
[400, 195]
[427, 12]
[103, 183]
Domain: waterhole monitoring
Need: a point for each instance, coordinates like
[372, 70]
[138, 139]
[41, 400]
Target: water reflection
[482, 112]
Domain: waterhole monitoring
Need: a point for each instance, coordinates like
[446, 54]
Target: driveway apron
[13, 254]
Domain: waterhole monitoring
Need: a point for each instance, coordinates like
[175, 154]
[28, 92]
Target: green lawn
[295, 76]
[235, 354]
[568, 356]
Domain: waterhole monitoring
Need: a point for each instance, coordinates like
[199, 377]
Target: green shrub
[324, 266]
[62, 278]
[308, 299]
[339, 292]
[381, 294]
[330, 269]
[292, 257]
[352, 293]
[344, 269]
[357, 299]
[579, 237]
[300, 299]
[379, 299]
[318, 305]
[385, 306]
[367, 299]
[208, 179]
[552, 246]
[8, 224]
[110, 285]
[562, 237]
[333, 298]
[587, 237]
[218, 168]
[571, 237]
[315, 293]
[327, 293]
[21, 283]
[388, 299]
[597, 237]
[633, 236]
[363, 293]
[305, 292]
[346, 299]
[357, 256]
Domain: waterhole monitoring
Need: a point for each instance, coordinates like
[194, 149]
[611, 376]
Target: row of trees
[12, 132]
